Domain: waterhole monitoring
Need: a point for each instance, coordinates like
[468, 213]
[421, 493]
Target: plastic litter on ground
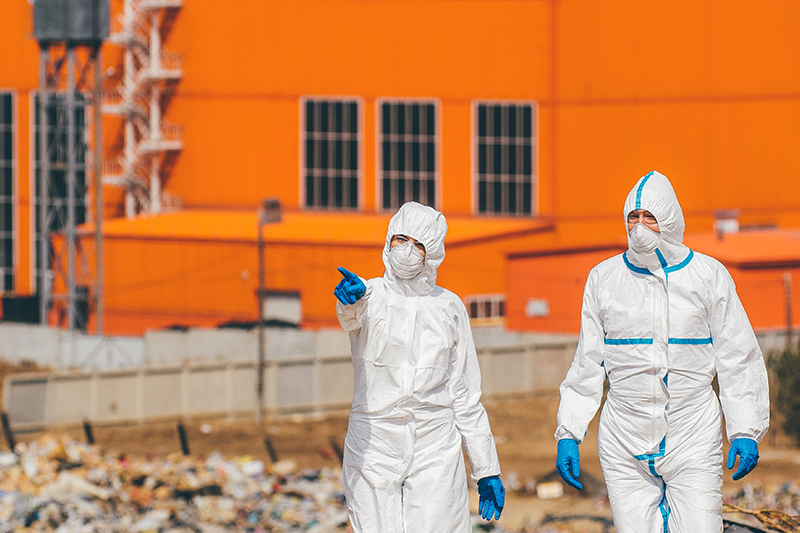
[66, 486]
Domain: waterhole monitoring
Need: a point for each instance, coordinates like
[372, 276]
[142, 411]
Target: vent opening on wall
[486, 308]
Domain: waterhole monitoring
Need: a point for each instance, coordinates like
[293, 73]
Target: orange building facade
[526, 122]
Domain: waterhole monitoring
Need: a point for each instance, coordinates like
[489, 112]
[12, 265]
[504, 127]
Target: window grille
[331, 153]
[408, 169]
[486, 306]
[57, 186]
[505, 147]
[7, 165]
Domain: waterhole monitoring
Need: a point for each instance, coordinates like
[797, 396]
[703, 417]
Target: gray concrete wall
[293, 383]
[61, 350]
[213, 372]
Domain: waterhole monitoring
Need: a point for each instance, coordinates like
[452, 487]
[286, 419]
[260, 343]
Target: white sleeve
[351, 316]
[582, 389]
[741, 373]
[471, 418]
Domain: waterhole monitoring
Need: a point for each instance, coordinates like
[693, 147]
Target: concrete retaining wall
[292, 384]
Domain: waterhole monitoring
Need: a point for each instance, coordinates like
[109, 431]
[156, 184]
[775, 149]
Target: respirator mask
[406, 260]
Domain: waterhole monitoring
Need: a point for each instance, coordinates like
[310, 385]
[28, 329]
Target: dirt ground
[523, 428]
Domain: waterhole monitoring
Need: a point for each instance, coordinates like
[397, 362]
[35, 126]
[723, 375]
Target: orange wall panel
[19, 52]
[24, 192]
[705, 92]
[205, 283]
[752, 156]
[237, 151]
[456, 158]
[369, 160]
[610, 50]
[240, 111]
[605, 149]
[763, 296]
[727, 156]
[559, 279]
[396, 48]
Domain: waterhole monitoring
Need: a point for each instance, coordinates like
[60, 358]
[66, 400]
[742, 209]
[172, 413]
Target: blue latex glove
[747, 450]
[350, 289]
[492, 497]
[568, 462]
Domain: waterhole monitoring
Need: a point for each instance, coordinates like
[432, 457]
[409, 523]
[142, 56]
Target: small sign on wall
[282, 306]
[536, 308]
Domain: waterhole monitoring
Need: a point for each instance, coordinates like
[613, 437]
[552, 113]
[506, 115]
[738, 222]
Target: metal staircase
[149, 75]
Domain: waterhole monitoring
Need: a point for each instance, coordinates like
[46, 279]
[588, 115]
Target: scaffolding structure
[149, 75]
[70, 35]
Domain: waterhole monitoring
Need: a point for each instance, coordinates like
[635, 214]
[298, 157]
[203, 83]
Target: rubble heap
[70, 487]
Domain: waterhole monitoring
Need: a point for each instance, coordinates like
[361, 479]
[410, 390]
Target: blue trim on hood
[639, 190]
[681, 264]
[633, 267]
[661, 258]
[667, 269]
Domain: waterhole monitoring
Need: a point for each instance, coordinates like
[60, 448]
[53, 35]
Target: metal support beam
[43, 283]
[71, 186]
[98, 193]
[261, 348]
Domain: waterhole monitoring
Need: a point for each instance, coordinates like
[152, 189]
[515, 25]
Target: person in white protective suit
[660, 321]
[416, 392]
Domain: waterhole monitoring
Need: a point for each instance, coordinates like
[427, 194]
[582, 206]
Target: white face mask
[643, 240]
[406, 260]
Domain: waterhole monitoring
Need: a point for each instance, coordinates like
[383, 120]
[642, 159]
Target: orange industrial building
[525, 121]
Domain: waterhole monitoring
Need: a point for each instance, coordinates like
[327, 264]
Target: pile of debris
[768, 508]
[69, 486]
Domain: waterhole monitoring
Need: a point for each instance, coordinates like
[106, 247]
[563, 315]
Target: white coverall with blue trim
[660, 326]
[416, 400]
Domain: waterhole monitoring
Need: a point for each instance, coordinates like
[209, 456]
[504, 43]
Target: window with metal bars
[331, 136]
[505, 146]
[7, 164]
[486, 306]
[57, 150]
[408, 169]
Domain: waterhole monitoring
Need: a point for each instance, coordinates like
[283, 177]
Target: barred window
[57, 152]
[6, 191]
[486, 306]
[505, 143]
[331, 153]
[407, 153]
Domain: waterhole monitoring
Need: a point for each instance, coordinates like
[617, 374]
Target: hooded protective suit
[416, 395]
[660, 323]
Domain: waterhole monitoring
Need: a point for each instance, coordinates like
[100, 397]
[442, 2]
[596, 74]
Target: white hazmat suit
[660, 324]
[416, 395]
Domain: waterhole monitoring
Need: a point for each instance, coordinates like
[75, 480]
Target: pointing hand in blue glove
[350, 289]
[568, 462]
[747, 450]
[492, 497]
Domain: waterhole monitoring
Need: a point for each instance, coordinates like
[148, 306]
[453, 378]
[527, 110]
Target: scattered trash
[764, 508]
[784, 497]
[69, 486]
[551, 489]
